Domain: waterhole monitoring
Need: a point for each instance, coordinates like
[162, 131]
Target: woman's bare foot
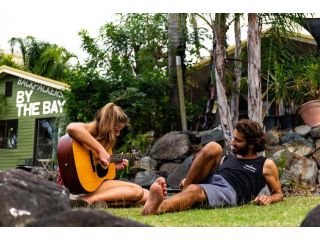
[157, 193]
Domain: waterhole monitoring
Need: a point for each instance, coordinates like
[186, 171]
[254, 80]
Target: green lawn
[288, 213]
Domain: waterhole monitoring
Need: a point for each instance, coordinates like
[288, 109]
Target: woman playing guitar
[100, 136]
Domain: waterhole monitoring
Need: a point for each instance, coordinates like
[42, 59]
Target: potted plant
[306, 92]
[279, 90]
[277, 83]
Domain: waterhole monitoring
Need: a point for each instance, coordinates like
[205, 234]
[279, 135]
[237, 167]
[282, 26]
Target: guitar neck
[118, 157]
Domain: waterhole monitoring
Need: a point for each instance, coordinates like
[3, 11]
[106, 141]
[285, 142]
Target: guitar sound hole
[101, 171]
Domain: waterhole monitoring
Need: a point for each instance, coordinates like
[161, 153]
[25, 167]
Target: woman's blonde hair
[105, 121]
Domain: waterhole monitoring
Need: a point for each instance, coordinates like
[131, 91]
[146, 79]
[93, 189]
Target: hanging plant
[3, 104]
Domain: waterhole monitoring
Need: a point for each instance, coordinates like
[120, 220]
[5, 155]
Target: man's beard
[242, 151]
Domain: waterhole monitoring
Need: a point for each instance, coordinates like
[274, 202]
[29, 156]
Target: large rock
[294, 138]
[303, 130]
[168, 168]
[174, 178]
[315, 132]
[300, 150]
[26, 197]
[84, 218]
[302, 171]
[144, 164]
[215, 135]
[316, 157]
[171, 146]
[145, 178]
[272, 137]
[281, 159]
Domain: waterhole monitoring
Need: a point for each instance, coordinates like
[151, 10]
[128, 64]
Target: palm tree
[42, 58]
[7, 59]
[280, 53]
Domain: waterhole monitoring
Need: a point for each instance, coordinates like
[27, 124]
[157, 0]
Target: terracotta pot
[310, 113]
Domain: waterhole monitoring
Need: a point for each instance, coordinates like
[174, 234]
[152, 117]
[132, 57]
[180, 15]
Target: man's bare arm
[271, 176]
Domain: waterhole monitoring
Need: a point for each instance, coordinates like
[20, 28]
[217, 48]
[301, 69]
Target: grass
[288, 213]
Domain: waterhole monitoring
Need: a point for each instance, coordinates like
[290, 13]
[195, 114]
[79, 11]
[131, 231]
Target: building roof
[300, 37]
[5, 70]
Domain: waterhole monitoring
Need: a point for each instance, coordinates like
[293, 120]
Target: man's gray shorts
[219, 192]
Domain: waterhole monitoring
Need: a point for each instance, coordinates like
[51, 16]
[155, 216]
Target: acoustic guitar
[80, 168]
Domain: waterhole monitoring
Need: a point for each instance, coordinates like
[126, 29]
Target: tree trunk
[220, 29]
[237, 71]
[176, 47]
[254, 69]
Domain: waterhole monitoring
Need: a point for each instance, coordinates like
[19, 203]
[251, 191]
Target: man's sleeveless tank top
[244, 175]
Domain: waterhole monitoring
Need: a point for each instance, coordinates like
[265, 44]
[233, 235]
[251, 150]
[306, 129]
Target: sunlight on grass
[288, 213]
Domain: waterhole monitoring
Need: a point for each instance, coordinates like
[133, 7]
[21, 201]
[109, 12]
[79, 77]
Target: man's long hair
[253, 133]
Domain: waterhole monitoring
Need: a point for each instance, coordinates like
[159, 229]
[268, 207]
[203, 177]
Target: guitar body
[81, 170]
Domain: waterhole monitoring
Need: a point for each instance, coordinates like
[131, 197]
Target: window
[8, 92]
[46, 138]
[8, 134]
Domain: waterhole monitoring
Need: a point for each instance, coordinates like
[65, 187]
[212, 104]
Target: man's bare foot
[157, 193]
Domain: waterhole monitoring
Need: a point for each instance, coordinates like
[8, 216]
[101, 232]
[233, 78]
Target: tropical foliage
[131, 62]
[127, 64]
[42, 58]
[7, 59]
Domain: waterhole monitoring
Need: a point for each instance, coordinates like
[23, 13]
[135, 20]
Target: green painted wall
[27, 105]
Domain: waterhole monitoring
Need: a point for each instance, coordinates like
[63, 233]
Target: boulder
[215, 135]
[145, 178]
[26, 197]
[294, 138]
[303, 130]
[316, 157]
[174, 178]
[315, 132]
[144, 164]
[272, 137]
[171, 146]
[301, 170]
[168, 168]
[300, 150]
[84, 218]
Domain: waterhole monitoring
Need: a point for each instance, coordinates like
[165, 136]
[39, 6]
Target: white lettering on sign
[46, 107]
[19, 106]
[27, 108]
[40, 87]
[22, 94]
[56, 106]
[61, 104]
[31, 109]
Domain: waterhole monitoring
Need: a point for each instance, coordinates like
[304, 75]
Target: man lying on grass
[211, 182]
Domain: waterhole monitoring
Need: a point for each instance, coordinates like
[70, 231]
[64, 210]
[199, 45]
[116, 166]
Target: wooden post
[181, 94]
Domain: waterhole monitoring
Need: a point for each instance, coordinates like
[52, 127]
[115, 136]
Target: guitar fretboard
[118, 157]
